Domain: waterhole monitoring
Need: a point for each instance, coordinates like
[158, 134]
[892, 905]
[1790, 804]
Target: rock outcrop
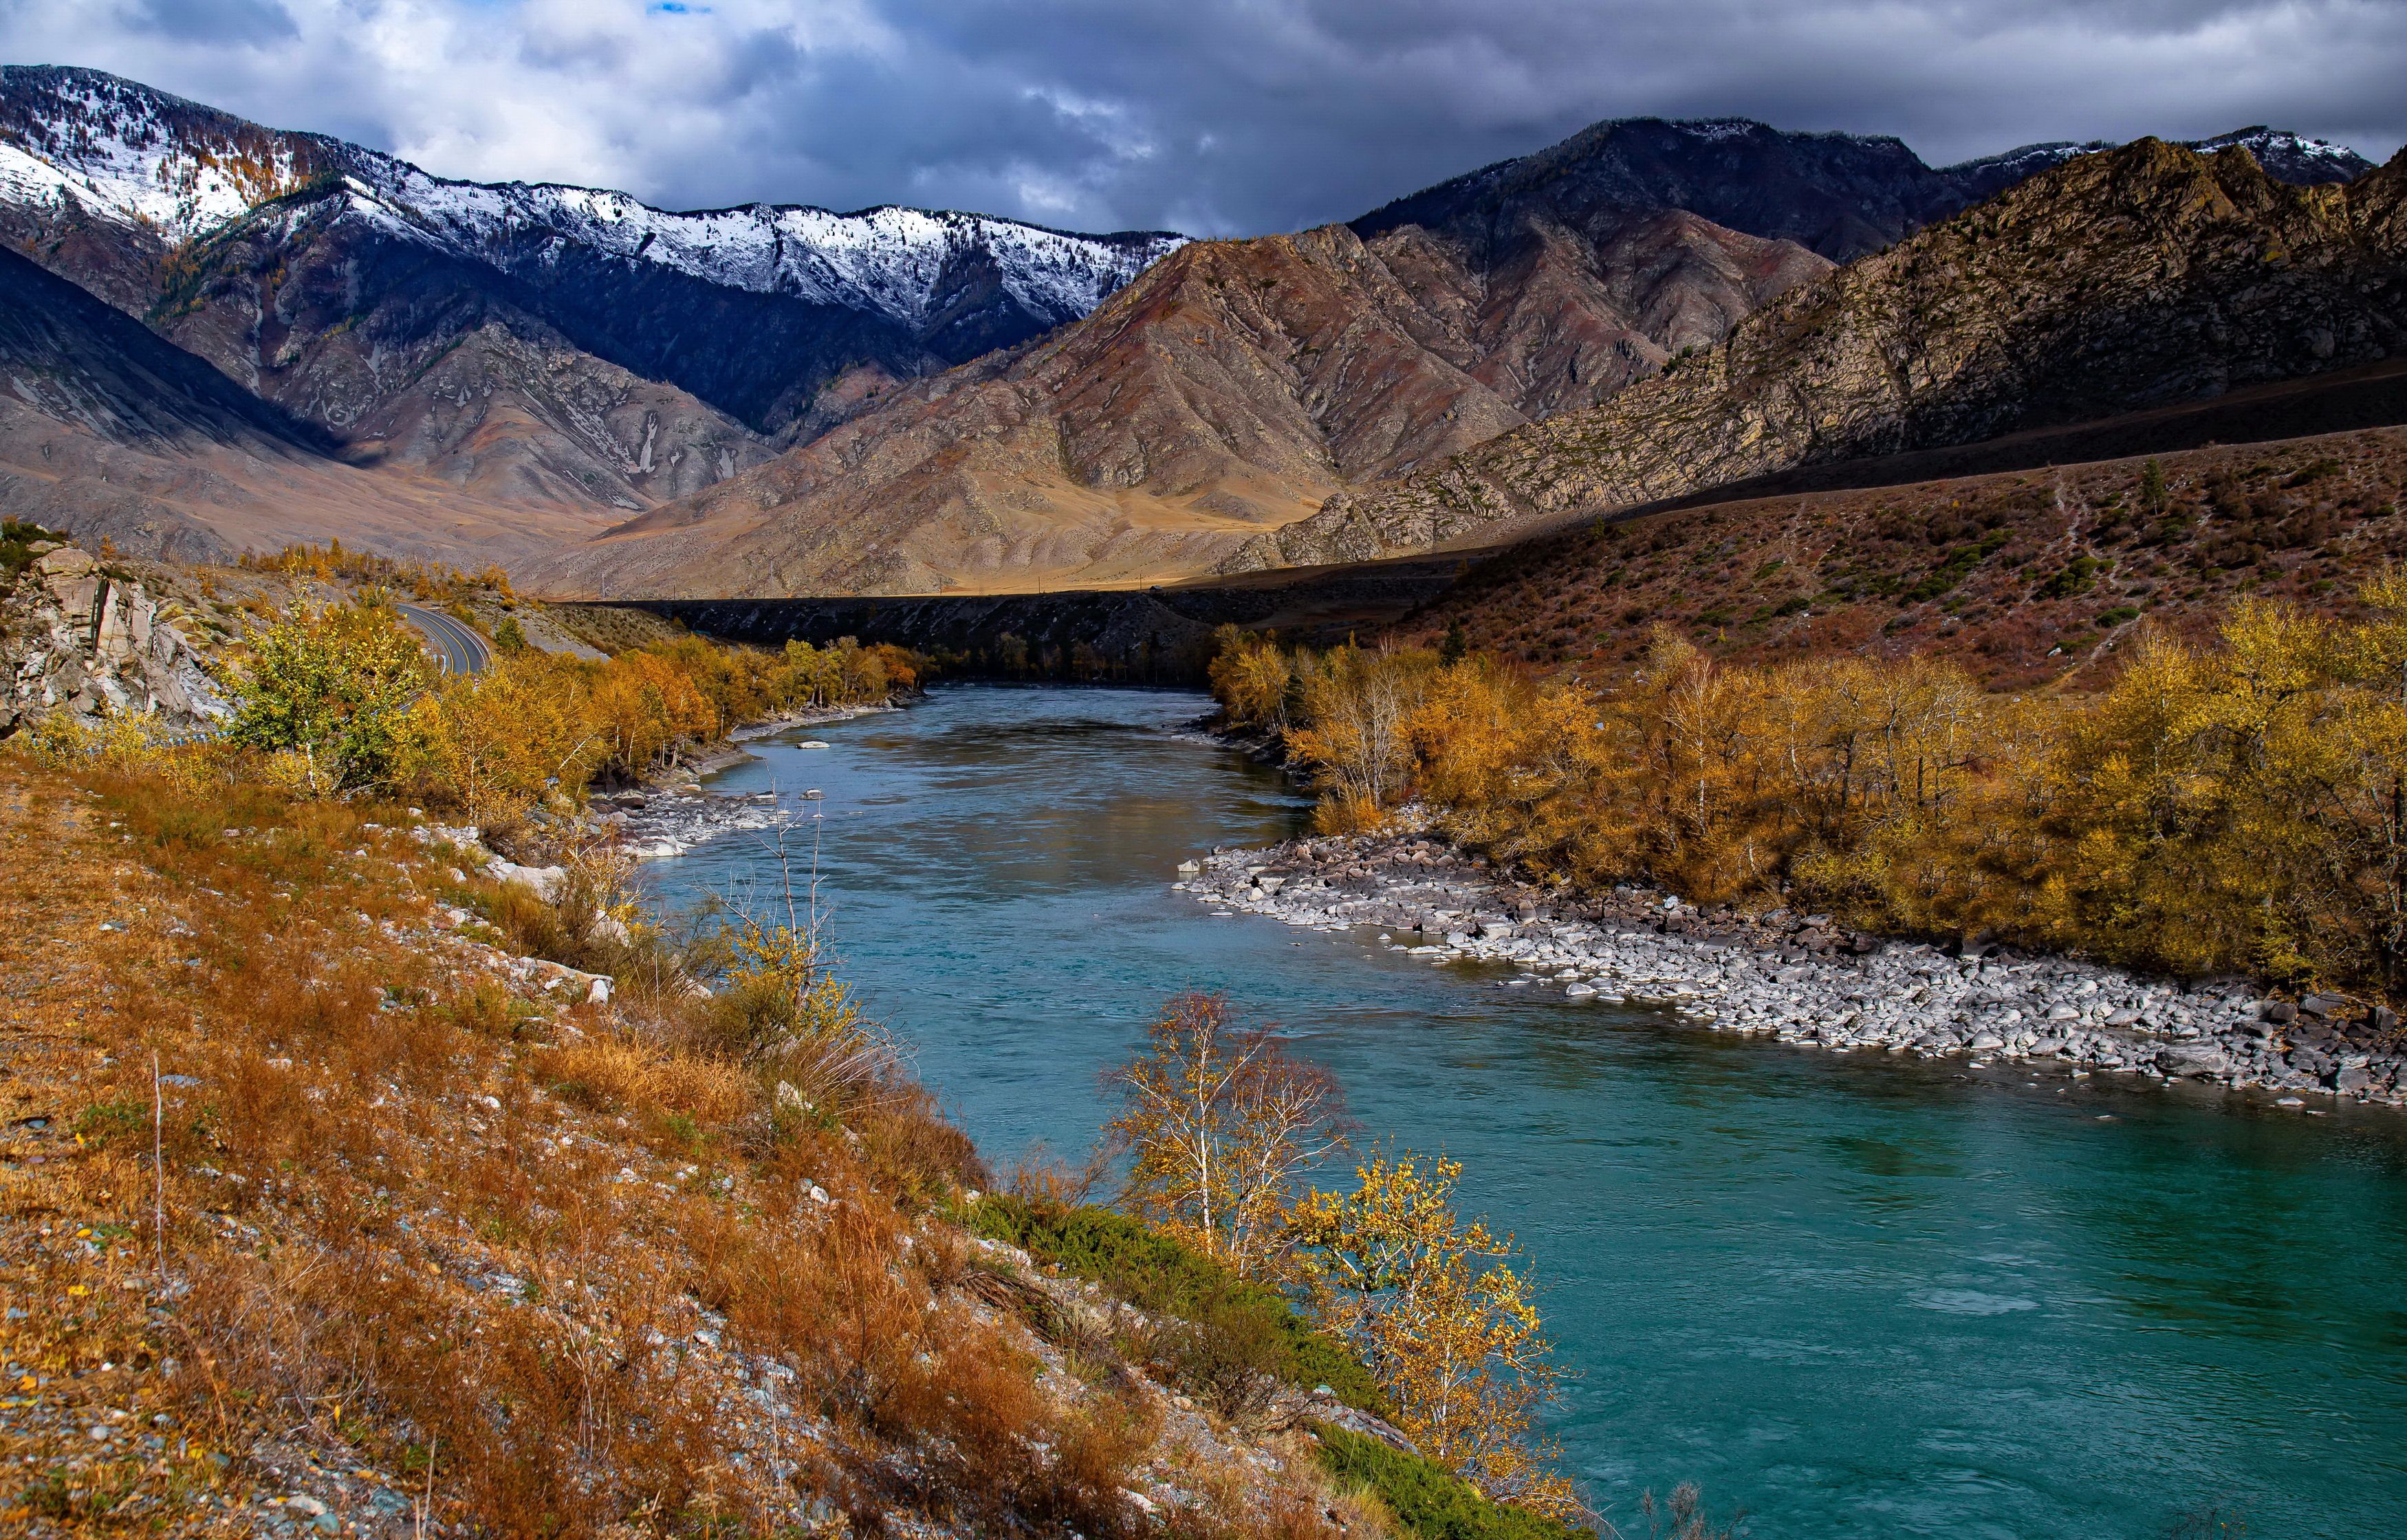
[80, 639]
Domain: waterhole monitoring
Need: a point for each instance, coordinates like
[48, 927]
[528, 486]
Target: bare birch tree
[1220, 1120]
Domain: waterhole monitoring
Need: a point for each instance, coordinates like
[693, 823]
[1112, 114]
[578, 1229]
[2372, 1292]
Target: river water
[1847, 1294]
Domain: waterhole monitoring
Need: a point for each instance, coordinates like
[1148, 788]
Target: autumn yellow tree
[1522, 770]
[494, 745]
[1250, 676]
[1440, 1314]
[1220, 1120]
[2238, 804]
[1357, 703]
[642, 704]
[332, 687]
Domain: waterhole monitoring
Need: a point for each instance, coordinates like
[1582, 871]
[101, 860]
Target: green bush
[17, 542]
[334, 684]
[2077, 576]
[1239, 1324]
[1429, 1500]
[105, 1122]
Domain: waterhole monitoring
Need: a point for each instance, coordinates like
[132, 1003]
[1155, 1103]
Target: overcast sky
[1218, 116]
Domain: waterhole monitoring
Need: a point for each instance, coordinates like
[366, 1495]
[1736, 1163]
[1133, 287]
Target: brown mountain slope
[2139, 276]
[2024, 576]
[1228, 390]
[403, 358]
[201, 501]
[198, 500]
[408, 355]
[111, 432]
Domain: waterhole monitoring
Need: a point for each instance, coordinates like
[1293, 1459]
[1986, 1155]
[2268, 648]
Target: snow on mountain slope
[116, 149]
[2291, 157]
[140, 156]
[2285, 156]
[884, 260]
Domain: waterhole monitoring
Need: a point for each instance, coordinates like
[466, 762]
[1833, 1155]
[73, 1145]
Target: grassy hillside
[330, 1202]
[2022, 577]
[361, 1184]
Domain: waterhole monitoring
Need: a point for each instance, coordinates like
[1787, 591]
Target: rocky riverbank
[669, 814]
[675, 811]
[1799, 979]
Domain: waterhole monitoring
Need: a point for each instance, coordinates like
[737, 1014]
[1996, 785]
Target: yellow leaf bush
[2228, 806]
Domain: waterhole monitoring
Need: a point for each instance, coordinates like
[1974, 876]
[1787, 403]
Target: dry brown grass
[612, 1073]
[431, 1235]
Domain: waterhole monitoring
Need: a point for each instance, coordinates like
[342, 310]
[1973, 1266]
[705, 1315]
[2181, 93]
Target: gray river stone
[1805, 981]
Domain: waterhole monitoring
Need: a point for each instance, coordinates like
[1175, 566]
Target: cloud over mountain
[1210, 116]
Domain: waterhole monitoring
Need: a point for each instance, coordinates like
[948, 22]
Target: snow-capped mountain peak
[2288, 156]
[126, 152]
[2292, 157]
[887, 260]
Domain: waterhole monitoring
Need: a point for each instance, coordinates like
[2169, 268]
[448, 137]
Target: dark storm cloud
[1212, 116]
[216, 21]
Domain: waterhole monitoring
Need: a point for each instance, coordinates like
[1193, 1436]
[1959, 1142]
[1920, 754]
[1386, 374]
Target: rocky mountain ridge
[1237, 384]
[2139, 276]
[555, 347]
[409, 357]
[1222, 393]
[579, 356]
[1843, 195]
[957, 284]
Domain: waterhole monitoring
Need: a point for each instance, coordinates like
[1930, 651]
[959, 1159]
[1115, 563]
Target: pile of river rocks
[1801, 979]
[675, 811]
[670, 819]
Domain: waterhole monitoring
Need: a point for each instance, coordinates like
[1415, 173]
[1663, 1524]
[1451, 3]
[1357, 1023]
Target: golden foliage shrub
[489, 746]
[340, 698]
[2234, 806]
[1438, 1312]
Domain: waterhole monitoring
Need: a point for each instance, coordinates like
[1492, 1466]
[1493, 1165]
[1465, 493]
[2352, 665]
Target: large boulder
[79, 640]
[2198, 1061]
[64, 562]
[546, 881]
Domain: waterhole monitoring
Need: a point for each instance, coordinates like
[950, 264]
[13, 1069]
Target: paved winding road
[459, 649]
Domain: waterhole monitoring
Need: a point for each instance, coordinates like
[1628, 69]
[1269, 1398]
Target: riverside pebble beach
[1802, 979]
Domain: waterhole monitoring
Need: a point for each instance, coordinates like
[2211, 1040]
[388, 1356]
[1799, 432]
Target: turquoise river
[1847, 1294]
